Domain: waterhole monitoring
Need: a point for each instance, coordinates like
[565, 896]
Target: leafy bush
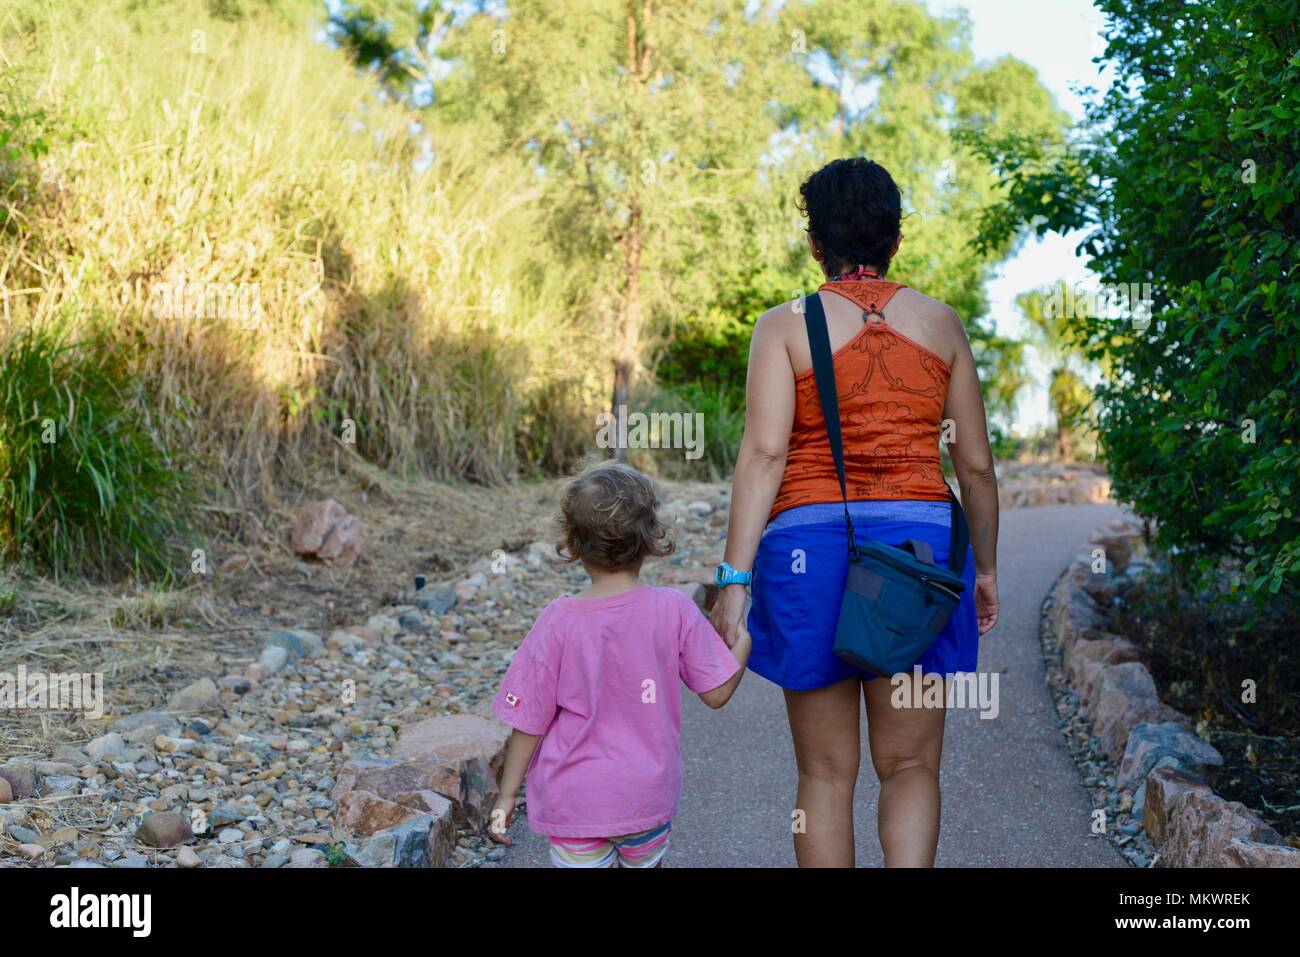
[86, 486]
[1188, 179]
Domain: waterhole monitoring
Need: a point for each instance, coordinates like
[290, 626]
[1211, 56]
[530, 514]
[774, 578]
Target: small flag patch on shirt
[512, 700]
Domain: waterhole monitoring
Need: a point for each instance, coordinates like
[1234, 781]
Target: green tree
[647, 124]
[1186, 176]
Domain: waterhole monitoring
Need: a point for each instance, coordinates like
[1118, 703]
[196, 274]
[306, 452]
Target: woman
[904, 372]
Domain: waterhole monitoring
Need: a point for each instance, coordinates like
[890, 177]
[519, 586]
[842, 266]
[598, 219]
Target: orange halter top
[891, 394]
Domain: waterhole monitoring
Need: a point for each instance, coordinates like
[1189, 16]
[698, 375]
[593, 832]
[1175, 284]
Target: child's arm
[722, 694]
[518, 753]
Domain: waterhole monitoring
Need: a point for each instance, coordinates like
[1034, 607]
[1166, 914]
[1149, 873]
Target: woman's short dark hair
[854, 210]
[609, 520]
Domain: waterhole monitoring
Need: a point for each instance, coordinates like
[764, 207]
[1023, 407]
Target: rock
[1201, 826]
[366, 813]
[200, 696]
[239, 684]
[299, 644]
[455, 737]
[230, 835]
[164, 829]
[540, 553]
[308, 857]
[699, 508]
[419, 842]
[145, 726]
[23, 778]
[326, 531]
[1246, 853]
[1125, 697]
[6, 791]
[312, 524]
[23, 835]
[437, 600]
[31, 852]
[1137, 803]
[345, 542]
[1076, 656]
[70, 755]
[274, 659]
[106, 746]
[1148, 743]
[1118, 548]
[187, 859]
[226, 815]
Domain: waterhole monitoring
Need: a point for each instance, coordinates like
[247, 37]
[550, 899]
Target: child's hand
[503, 812]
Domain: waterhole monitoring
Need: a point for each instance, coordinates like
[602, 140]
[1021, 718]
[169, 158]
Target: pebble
[186, 858]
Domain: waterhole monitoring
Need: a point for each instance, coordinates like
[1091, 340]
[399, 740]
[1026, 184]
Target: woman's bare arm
[973, 460]
[769, 415]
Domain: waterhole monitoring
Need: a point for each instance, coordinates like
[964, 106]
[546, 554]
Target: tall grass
[406, 301]
[86, 486]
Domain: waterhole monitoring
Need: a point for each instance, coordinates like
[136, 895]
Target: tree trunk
[626, 355]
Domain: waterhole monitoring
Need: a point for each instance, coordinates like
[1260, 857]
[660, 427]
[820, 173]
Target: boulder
[366, 813]
[345, 542]
[456, 756]
[423, 841]
[1148, 743]
[1246, 853]
[1201, 826]
[1118, 548]
[1163, 786]
[1106, 650]
[1125, 696]
[325, 531]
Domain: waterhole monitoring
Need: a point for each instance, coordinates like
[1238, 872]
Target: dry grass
[400, 281]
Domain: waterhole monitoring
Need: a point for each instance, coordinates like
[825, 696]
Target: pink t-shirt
[598, 677]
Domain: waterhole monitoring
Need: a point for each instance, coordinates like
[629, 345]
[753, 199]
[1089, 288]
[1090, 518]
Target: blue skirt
[799, 575]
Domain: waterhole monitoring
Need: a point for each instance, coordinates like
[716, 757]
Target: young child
[592, 692]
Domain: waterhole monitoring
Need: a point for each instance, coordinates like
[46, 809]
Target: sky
[1058, 38]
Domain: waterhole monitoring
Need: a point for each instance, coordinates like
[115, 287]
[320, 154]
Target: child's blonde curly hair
[609, 520]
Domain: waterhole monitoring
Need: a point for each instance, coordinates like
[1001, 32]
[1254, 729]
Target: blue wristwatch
[725, 575]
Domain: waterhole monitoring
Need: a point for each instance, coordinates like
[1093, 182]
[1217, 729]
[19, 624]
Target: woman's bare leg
[906, 745]
[827, 746]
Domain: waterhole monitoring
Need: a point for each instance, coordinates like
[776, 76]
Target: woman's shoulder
[930, 321]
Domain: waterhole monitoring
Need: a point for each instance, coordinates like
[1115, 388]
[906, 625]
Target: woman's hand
[986, 601]
[503, 813]
[726, 613]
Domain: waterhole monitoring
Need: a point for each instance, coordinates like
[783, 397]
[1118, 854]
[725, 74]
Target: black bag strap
[819, 344]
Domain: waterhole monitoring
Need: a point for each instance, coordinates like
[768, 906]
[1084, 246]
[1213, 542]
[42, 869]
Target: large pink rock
[365, 812]
[1202, 827]
[456, 756]
[324, 530]
[455, 737]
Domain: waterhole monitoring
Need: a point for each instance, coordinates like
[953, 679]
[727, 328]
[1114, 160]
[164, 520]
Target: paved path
[1012, 795]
